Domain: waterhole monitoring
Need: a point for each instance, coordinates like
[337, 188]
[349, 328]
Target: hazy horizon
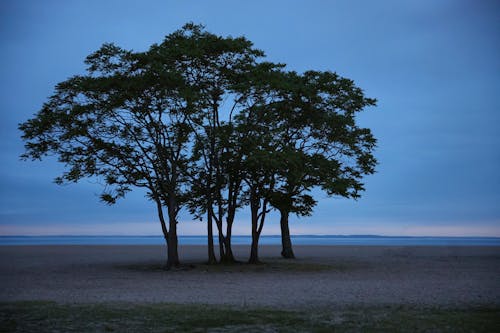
[271, 229]
[249, 236]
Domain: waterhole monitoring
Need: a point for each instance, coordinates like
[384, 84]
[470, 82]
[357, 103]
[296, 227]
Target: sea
[360, 240]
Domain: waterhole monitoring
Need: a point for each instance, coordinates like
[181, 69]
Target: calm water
[264, 240]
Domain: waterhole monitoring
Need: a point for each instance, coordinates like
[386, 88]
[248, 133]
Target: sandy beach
[325, 276]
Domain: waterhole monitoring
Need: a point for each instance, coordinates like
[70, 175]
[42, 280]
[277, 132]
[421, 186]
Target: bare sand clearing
[340, 276]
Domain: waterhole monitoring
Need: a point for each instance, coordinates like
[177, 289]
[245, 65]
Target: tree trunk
[172, 246]
[286, 242]
[254, 249]
[229, 257]
[222, 252]
[163, 226]
[210, 232]
[172, 243]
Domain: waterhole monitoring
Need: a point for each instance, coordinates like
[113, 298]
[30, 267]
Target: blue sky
[433, 65]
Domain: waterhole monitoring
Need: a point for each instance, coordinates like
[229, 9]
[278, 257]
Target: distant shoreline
[357, 240]
[305, 235]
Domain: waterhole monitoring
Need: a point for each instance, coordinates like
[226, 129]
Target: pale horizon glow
[195, 228]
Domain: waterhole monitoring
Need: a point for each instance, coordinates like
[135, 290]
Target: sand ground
[339, 276]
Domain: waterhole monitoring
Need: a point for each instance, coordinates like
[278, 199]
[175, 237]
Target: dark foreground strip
[129, 317]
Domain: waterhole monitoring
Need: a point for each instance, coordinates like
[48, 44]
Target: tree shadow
[267, 265]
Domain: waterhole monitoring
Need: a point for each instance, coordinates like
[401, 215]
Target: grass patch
[53, 317]
[127, 317]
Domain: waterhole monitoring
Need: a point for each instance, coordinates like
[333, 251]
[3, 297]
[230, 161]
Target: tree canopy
[203, 122]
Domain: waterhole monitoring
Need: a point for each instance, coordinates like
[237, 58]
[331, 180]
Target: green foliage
[124, 122]
[126, 317]
[202, 121]
[299, 132]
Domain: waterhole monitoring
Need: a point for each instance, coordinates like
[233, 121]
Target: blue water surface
[246, 240]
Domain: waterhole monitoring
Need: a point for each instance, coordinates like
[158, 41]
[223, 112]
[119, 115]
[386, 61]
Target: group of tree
[204, 123]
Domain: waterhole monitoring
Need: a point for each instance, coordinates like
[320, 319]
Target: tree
[301, 134]
[199, 121]
[324, 146]
[259, 164]
[215, 69]
[124, 122]
[258, 141]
